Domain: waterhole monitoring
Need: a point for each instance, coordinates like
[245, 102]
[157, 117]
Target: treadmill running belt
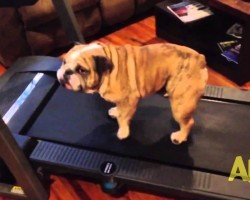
[220, 134]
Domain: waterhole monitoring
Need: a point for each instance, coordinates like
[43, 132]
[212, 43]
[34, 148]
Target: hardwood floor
[73, 189]
[142, 32]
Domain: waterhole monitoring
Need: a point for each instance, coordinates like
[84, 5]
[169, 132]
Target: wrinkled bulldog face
[81, 70]
[79, 74]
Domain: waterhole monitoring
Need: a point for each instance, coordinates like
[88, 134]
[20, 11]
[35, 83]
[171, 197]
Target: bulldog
[125, 74]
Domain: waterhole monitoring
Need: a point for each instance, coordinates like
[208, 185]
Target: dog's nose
[67, 73]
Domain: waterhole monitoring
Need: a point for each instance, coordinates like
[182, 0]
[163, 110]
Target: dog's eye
[82, 71]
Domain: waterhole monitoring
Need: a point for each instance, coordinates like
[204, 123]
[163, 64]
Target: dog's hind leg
[181, 136]
[183, 107]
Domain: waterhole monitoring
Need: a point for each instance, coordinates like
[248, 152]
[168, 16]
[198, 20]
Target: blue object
[109, 185]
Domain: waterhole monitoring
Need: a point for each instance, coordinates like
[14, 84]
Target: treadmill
[72, 133]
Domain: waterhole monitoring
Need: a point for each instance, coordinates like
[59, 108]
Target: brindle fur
[125, 74]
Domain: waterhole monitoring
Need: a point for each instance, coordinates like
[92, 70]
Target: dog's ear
[102, 65]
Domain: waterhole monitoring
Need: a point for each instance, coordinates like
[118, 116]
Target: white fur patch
[59, 74]
[89, 47]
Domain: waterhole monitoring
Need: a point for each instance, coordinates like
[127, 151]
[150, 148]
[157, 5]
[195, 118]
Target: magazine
[232, 54]
[189, 10]
[225, 45]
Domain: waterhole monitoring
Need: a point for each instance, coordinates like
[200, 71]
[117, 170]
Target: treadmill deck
[81, 120]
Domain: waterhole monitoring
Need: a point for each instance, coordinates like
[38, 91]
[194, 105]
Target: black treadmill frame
[143, 175]
[20, 167]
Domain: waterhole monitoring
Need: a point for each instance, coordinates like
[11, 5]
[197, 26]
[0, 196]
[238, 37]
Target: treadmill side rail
[151, 176]
[19, 114]
[226, 93]
[35, 64]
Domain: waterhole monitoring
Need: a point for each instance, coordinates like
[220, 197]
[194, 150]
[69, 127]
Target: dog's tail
[203, 73]
[203, 65]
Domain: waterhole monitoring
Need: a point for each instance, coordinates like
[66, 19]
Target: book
[225, 45]
[189, 10]
[232, 54]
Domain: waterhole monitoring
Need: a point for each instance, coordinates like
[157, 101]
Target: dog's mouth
[68, 86]
[79, 88]
[65, 84]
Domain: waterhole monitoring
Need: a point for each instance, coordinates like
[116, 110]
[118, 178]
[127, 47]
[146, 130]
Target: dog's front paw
[178, 137]
[123, 133]
[113, 112]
